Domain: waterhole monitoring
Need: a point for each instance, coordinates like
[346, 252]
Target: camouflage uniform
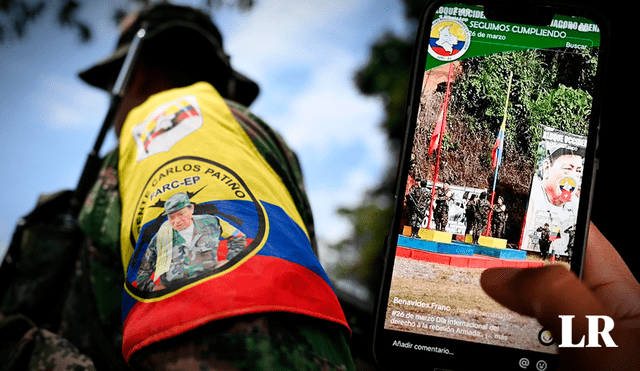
[571, 231]
[480, 218]
[469, 212]
[274, 341]
[75, 297]
[417, 205]
[189, 260]
[25, 347]
[92, 317]
[545, 240]
[498, 220]
[441, 211]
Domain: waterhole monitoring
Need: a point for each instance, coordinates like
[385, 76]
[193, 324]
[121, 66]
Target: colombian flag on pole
[242, 247]
[496, 154]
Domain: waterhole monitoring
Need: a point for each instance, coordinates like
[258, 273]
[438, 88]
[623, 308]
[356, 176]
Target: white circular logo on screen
[449, 39]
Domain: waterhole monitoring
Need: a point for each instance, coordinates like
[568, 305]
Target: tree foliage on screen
[540, 95]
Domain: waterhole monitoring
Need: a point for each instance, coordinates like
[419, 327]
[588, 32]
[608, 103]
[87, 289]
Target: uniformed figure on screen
[481, 216]
[498, 218]
[470, 212]
[545, 240]
[571, 232]
[441, 212]
[418, 201]
[186, 246]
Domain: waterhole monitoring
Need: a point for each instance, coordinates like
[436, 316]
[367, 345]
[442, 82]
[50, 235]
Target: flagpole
[499, 160]
[445, 105]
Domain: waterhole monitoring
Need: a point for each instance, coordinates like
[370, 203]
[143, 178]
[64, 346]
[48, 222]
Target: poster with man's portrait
[555, 191]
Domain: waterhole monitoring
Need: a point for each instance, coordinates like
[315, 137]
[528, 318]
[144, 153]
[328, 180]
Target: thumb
[543, 293]
[547, 293]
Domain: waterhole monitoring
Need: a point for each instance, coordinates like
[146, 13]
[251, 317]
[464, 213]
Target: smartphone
[497, 169]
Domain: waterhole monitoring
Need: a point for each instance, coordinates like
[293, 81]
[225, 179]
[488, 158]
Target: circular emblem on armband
[196, 219]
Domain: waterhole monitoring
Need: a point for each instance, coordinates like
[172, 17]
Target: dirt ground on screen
[457, 296]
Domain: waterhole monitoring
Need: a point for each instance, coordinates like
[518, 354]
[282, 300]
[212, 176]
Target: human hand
[607, 288]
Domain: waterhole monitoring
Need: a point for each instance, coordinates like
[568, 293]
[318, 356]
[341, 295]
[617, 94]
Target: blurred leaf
[16, 16]
[68, 17]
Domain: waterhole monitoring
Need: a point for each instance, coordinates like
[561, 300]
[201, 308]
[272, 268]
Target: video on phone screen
[495, 173]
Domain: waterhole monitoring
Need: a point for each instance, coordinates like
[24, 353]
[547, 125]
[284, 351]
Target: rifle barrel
[93, 163]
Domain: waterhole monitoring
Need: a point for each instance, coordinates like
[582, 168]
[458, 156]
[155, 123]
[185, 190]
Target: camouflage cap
[176, 202]
[159, 18]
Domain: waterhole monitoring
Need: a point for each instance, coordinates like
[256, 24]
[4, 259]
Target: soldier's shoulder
[206, 219]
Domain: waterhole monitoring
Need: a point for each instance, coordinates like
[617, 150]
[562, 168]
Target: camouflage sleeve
[28, 347]
[235, 245]
[281, 158]
[147, 268]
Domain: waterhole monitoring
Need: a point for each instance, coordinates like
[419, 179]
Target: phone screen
[497, 166]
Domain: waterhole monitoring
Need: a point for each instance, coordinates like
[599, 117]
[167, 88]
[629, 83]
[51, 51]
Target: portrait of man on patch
[185, 247]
